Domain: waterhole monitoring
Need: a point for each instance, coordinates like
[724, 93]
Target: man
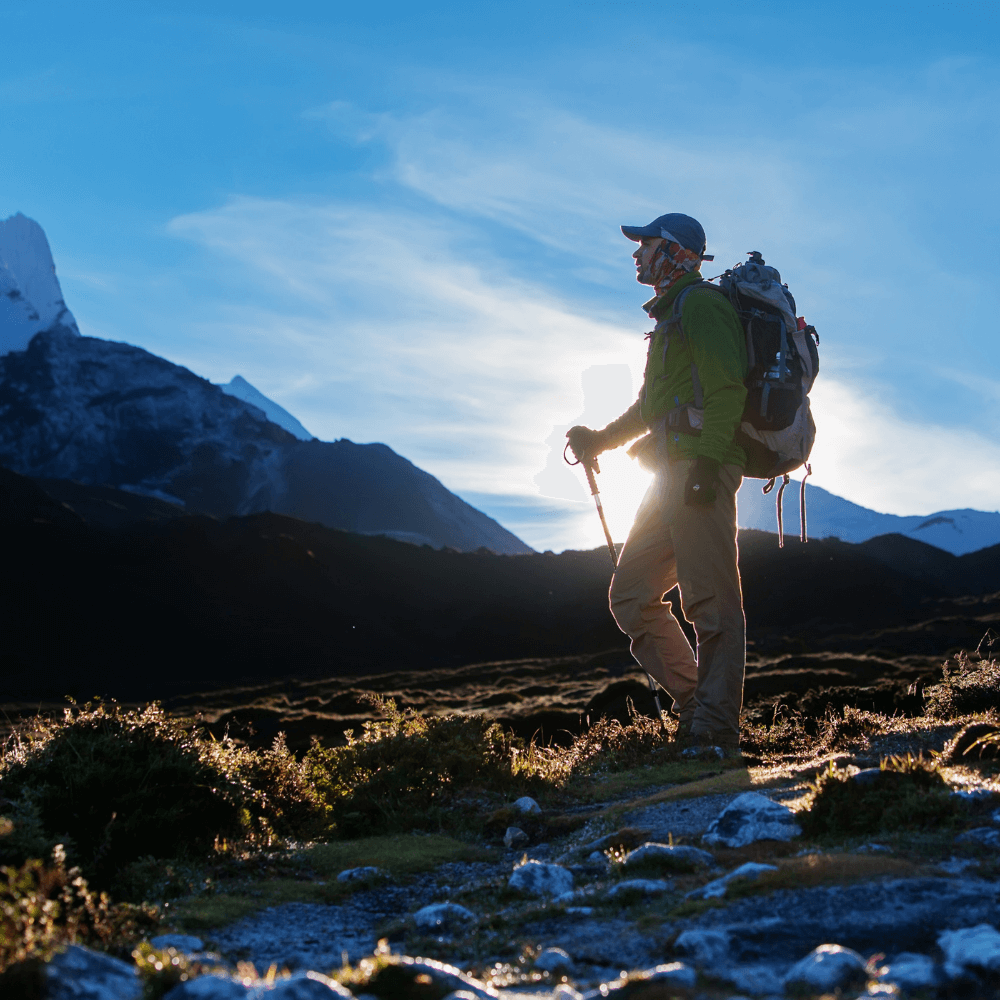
[690, 407]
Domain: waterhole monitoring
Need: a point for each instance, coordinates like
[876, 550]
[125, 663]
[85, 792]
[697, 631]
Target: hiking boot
[724, 746]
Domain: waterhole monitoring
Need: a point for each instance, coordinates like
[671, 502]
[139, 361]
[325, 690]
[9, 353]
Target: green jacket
[711, 340]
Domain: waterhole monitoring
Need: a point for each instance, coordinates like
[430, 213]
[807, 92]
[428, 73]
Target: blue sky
[401, 223]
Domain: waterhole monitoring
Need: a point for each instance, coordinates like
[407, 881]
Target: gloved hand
[699, 490]
[585, 443]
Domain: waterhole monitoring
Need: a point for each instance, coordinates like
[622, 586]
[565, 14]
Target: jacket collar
[659, 306]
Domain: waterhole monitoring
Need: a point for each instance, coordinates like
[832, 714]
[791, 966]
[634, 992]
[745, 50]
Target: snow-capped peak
[30, 297]
[242, 389]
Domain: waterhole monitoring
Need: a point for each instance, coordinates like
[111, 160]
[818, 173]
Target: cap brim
[637, 233]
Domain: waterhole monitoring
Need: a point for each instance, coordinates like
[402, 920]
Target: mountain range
[101, 412]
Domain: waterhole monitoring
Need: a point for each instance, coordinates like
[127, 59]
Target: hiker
[689, 408]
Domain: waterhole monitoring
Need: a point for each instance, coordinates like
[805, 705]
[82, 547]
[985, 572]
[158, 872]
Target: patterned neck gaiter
[670, 262]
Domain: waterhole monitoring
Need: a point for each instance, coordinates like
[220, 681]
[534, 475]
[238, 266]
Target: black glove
[699, 490]
[585, 443]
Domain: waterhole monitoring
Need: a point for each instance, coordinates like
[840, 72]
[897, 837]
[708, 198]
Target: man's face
[644, 257]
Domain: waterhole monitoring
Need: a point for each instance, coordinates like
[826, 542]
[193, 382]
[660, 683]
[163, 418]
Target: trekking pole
[590, 467]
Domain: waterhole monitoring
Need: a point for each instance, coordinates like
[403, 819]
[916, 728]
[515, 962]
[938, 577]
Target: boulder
[179, 942]
[443, 916]
[676, 857]
[527, 805]
[672, 974]
[981, 836]
[637, 985]
[404, 977]
[717, 888]
[750, 817]
[705, 947]
[827, 968]
[554, 960]
[910, 971]
[970, 948]
[362, 874]
[81, 974]
[300, 986]
[216, 986]
[536, 878]
[757, 980]
[514, 837]
[638, 887]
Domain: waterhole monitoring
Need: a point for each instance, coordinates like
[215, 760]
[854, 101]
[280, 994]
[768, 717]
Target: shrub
[969, 685]
[43, 907]
[406, 771]
[120, 785]
[907, 793]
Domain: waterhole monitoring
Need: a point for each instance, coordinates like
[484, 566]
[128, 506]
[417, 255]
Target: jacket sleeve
[716, 342]
[622, 429]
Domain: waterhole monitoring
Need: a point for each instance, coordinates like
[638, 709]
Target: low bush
[45, 906]
[116, 786]
[976, 741]
[969, 685]
[407, 771]
[907, 793]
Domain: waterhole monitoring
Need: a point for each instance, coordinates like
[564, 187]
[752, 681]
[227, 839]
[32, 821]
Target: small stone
[866, 776]
[638, 887]
[673, 973]
[554, 960]
[211, 987]
[751, 817]
[425, 977]
[956, 866]
[527, 805]
[179, 942]
[827, 968]
[873, 849]
[981, 836]
[597, 858]
[704, 753]
[359, 874]
[441, 916]
[80, 972]
[718, 888]
[970, 948]
[995, 818]
[911, 971]
[536, 878]
[514, 837]
[580, 911]
[566, 992]
[973, 794]
[300, 986]
[705, 947]
[678, 857]
[757, 980]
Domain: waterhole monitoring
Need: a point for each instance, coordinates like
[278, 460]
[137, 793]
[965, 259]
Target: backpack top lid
[756, 280]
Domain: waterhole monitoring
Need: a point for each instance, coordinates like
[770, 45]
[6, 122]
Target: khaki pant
[694, 547]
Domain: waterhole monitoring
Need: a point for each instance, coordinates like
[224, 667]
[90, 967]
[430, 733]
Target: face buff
[671, 261]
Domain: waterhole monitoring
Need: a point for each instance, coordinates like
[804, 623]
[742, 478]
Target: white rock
[750, 817]
[90, 975]
[553, 960]
[826, 968]
[211, 987]
[179, 942]
[527, 805]
[637, 887]
[580, 911]
[514, 837]
[566, 992]
[981, 836]
[705, 947]
[440, 916]
[535, 878]
[597, 858]
[911, 971]
[670, 854]
[717, 888]
[674, 973]
[359, 874]
[300, 986]
[970, 948]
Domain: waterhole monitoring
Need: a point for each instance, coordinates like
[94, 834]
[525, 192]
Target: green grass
[235, 894]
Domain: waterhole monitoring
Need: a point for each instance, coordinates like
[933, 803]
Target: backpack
[777, 429]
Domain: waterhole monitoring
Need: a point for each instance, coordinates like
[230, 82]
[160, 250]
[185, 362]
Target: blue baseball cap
[674, 227]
